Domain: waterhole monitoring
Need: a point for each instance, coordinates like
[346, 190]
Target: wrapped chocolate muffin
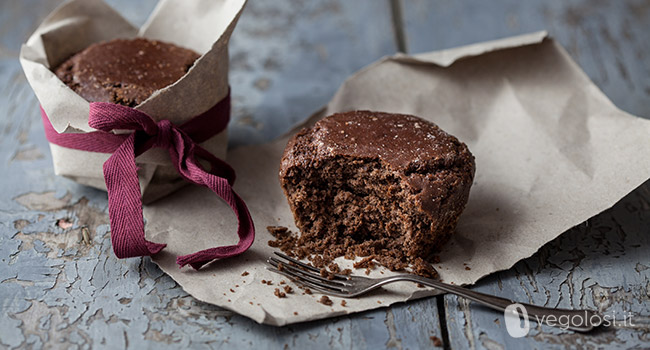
[186, 76]
[139, 112]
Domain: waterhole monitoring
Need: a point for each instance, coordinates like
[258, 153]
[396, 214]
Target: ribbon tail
[125, 204]
[183, 154]
[245, 228]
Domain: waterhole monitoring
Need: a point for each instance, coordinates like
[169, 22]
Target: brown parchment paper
[204, 26]
[551, 151]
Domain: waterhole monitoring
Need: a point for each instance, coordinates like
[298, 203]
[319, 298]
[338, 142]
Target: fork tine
[299, 263]
[305, 274]
[308, 267]
[307, 283]
[327, 291]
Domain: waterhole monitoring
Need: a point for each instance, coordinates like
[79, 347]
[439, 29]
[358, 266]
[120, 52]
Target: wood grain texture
[289, 57]
[603, 263]
[608, 39]
[62, 287]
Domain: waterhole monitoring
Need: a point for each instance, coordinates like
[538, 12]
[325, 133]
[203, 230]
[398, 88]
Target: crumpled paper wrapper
[551, 151]
[204, 26]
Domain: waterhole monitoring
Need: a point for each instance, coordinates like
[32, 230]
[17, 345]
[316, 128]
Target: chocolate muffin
[369, 183]
[125, 71]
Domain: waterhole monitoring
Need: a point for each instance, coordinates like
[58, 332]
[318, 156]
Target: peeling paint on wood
[591, 266]
[61, 286]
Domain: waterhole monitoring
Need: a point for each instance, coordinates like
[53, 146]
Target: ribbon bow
[120, 173]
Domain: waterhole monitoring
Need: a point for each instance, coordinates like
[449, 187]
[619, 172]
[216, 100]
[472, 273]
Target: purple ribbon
[120, 171]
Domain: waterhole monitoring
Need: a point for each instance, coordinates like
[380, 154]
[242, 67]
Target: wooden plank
[58, 289]
[608, 39]
[601, 263]
[288, 59]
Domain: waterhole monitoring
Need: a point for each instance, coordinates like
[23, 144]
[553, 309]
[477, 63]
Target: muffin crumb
[436, 341]
[279, 293]
[334, 267]
[365, 262]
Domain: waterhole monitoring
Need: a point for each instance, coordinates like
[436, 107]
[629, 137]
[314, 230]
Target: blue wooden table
[62, 287]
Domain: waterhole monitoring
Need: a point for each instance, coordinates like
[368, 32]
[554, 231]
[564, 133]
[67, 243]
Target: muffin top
[360, 173]
[125, 71]
[404, 142]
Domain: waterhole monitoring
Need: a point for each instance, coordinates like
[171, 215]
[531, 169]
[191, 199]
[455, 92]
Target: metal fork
[353, 286]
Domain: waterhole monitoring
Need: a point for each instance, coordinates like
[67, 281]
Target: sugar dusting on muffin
[125, 71]
[364, 183]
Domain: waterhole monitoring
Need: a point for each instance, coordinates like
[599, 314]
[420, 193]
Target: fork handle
[577, 320]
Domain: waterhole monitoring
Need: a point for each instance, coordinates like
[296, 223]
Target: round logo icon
[517, 322]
